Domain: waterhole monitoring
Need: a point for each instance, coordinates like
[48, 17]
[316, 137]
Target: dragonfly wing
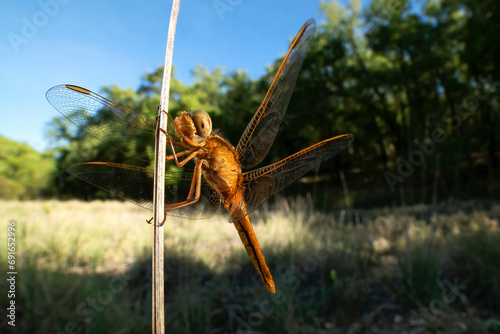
[262, 183]
[136, 185]
[98, 116]
[262, 129]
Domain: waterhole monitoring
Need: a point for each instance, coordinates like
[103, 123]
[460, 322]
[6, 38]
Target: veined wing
[98, 116]
[135, 184]
[262, 183]
[262, 129]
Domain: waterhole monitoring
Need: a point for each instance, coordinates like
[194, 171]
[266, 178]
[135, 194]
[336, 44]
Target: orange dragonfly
[217, 177]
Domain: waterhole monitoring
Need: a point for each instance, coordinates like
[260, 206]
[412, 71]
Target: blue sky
[98, 43]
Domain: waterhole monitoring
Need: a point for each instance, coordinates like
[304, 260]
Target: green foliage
[389, 73]
[24, 172]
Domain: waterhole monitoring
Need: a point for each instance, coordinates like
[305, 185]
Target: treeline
[416, 83]
[24, 172]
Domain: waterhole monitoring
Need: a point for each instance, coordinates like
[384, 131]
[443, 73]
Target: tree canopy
[24, 172]
[415, 82]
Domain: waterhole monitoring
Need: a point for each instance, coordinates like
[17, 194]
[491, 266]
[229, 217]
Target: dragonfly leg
[177, 129]
[195, 190]
[172, 143]
[183, 162]
[178, 154]
[172, 121]
[170, 140]
[175, 154]
[175, 157]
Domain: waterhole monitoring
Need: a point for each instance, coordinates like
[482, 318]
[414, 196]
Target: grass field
[86, 268]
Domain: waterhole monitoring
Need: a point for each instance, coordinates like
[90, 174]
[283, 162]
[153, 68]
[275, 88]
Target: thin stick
[159, 196]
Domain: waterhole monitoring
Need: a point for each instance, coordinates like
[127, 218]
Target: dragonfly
[219, 176]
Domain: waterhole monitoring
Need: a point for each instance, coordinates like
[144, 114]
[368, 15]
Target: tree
[417, 86]
[24, 172]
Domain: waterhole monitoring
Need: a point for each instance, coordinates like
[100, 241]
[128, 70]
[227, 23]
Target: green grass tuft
[88, 265]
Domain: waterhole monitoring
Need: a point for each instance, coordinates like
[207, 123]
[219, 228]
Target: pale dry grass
[343, 271]
[106, 236]
[94, 236]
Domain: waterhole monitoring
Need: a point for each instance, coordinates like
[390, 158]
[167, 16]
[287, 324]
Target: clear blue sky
[98, 43]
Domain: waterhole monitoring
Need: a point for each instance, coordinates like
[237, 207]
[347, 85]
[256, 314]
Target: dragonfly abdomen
[249, 240]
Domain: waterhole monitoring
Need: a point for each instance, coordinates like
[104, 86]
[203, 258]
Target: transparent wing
[262, 129]
[262, 183]
[136, 184]
[100, 117]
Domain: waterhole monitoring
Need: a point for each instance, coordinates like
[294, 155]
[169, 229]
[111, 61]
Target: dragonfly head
[195, 125]
[202, 122]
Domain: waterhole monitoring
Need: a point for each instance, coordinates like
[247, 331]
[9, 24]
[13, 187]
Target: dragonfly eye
[202, 122]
